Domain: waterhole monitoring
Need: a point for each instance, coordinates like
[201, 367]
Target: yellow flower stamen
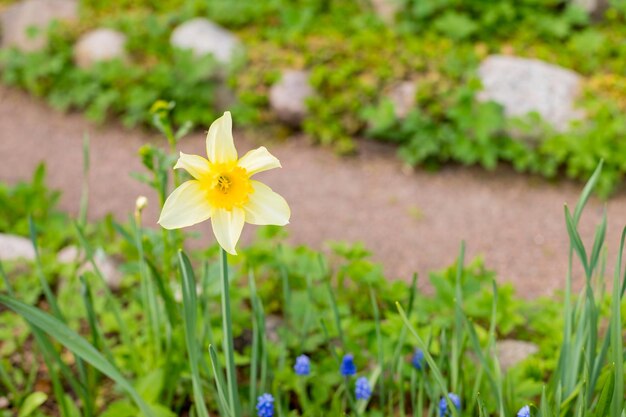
[227, 185]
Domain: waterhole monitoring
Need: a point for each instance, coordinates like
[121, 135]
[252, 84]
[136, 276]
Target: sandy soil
[412, 221]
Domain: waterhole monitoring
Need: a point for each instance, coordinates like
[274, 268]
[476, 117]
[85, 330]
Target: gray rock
[99, 45]
[595, 8]
[106, 265]
[386, 9]
[288, 96]
[69, 254]
[272, 324]
[14, 247]
[523, 85]
[204, 37]
[402, 96]
[25, 16]
[511, 352]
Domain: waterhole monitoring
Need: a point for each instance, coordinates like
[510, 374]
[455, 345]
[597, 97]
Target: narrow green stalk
[151, 307]
[616, 325]
[5, 379]
[112, 301]
[231, 375]
[284, 276]
[190, 307]
[335, 310]
[400, 372]
[254, 361]
[84, 196]
[379, 345]
[457, 342]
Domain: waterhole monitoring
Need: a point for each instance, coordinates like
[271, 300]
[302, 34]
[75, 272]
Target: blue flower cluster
[443, 404]
[265, 405]
[418, 359]
[347, 367]
[362, 390]
[524, 412]
[303, 365]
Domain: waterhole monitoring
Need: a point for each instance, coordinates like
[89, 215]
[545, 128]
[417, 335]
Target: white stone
[386, 9]
[511, 352]
[204, 37]
[14, 247]
[69, 254]
[99, 45]
[288, 96]
[595, 8]
[21, 18]
[106, 265]
[402, 96]
[523, 85]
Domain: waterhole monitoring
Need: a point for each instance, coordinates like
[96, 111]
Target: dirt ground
[412, 221]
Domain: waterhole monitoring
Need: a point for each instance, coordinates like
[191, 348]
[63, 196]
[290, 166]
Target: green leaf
[75, 343]
[121, 408]
[584, 196]
[32, 403]
[190, 306]
[604, 402]
[150, 386]
[458, 26]
[161, 411]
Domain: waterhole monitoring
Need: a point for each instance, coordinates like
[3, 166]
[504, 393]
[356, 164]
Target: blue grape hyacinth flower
[418, 359]
[362, 390]
[265, 405]
[524, 411]
[347, 367]
[303, 365]
[443, 404]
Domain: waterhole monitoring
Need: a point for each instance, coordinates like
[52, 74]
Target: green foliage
[476, 19]
[317, 310]
[354, 61]
[118, 87]
[26, 199]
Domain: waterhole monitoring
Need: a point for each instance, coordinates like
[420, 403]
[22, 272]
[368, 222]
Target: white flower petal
[195, 165]
[186, 206]
[227, 227]
[258, 160]
[266, 207]
[220, 147]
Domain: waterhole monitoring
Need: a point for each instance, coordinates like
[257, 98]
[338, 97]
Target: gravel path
[411, 221]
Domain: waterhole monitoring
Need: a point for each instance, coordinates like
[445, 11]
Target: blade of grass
[617, 349]
[190, 307]
[457, 341]
[76, 344]
[110, 299]
[84, 195]
[231, 375]
[586, 193]
[437, 375]
[606, 396]
[379, 344]
[333, 305]
[219, 381]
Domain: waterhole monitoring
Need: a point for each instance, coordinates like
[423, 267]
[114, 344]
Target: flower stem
[231, 376]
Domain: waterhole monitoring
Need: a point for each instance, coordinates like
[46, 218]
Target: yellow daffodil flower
[223, 191]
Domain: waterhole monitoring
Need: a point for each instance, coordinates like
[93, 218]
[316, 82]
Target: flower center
[223, 183]
[228, 186]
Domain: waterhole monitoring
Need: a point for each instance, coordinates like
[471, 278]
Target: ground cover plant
[439, 44]
[312, 334]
